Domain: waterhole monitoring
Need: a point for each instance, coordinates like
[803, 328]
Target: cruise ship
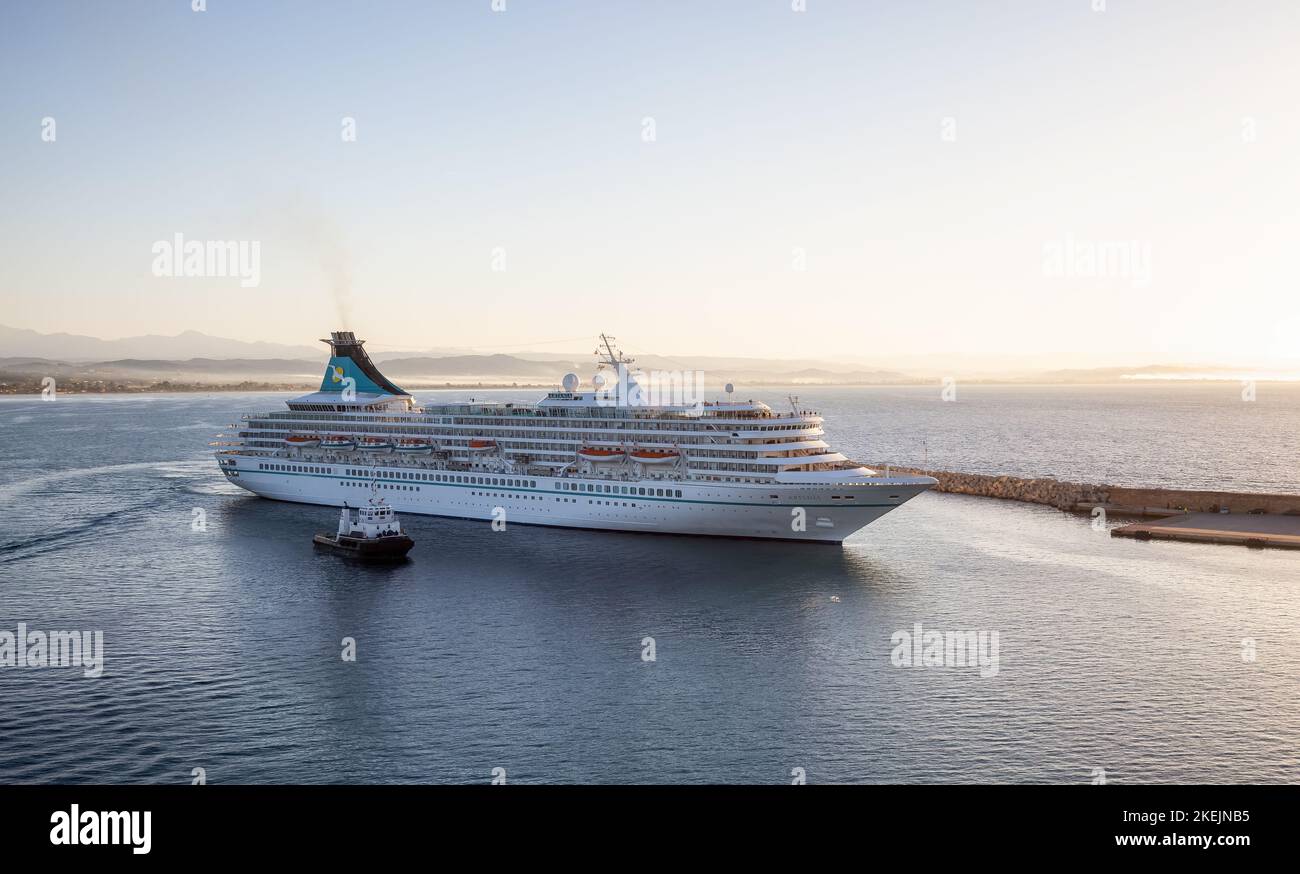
[595, 457]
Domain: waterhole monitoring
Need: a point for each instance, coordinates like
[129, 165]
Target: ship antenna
[612, 355]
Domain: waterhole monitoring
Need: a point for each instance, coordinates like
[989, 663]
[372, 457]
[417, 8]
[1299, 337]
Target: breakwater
[1082, 497]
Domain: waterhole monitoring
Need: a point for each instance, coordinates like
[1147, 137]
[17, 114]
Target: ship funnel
[348, 360]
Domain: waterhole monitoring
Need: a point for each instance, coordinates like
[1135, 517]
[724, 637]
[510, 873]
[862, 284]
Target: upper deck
[567, 430]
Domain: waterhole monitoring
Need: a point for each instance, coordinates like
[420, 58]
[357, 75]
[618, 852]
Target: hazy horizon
[876, 184]
[163, 348]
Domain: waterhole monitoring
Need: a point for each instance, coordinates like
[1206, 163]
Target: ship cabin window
[679, 494]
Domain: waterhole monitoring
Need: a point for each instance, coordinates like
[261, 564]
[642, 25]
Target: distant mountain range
[195, 359]
[411, 373]
[19, 342]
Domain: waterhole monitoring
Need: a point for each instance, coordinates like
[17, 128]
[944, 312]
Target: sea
[234, 653]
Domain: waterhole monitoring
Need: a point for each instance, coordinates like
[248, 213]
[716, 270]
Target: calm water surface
[522, 649]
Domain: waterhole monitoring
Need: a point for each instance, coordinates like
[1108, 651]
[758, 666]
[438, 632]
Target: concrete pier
[1277, 531]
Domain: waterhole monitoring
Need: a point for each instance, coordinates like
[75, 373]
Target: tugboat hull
[372, 549]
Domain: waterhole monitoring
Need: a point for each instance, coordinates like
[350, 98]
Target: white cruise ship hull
[814, 512]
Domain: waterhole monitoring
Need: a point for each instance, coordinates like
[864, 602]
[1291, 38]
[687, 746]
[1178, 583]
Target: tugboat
[374, 534]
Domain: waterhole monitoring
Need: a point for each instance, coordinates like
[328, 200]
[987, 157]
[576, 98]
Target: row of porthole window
[482, 480]
[621, 490]
[498, 495]
[448, 478]
[393, 486]
[293, 468]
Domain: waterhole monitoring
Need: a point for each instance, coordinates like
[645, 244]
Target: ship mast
[612, 356]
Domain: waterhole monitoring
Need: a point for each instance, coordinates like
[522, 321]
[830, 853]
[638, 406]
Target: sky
[869, 181]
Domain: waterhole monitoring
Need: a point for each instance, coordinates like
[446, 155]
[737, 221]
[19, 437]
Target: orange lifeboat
[655, 456]
[600, 454]
[304, 441]
[481, 445]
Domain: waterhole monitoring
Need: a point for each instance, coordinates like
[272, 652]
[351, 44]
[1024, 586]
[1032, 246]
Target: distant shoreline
[79, 387]
[200, 388]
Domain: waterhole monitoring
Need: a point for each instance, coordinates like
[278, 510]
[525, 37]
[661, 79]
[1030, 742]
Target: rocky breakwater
[1036, 490]
[1082, 497]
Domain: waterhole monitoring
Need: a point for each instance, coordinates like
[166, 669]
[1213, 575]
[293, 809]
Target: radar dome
[599, 380]
[730, 388]
[571, 382]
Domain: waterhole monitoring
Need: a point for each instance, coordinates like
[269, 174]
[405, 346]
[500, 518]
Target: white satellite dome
[599, 381]
[571, 382]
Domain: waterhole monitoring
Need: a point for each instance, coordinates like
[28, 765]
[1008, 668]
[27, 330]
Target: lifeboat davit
[598, 454]
[374, 444]
[337, 441]
[482, 445]
[655, 456]
[414, 446]
[302, 441]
